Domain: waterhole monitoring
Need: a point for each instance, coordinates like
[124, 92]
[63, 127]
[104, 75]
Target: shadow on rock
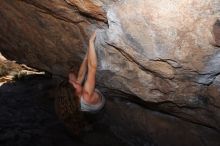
[28, 117]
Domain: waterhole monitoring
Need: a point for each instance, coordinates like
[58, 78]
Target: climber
[91, 99]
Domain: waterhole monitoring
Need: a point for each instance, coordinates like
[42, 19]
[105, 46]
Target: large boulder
[164, 52]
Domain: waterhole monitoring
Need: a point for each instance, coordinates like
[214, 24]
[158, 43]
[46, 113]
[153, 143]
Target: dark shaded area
[138, 125]
[216, 31]
[217, 23]
[27, 117]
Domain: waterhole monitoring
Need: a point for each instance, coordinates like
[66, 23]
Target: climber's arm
[83, 69]
[89, 85]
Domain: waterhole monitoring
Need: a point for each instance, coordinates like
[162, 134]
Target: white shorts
[92, 107]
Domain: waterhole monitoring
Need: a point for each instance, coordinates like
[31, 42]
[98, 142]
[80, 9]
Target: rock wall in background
[161, 51]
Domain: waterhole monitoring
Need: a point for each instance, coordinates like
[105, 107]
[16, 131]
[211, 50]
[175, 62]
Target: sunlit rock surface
[166, 51]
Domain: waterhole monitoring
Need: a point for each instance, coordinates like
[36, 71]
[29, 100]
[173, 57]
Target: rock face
[164, 52]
